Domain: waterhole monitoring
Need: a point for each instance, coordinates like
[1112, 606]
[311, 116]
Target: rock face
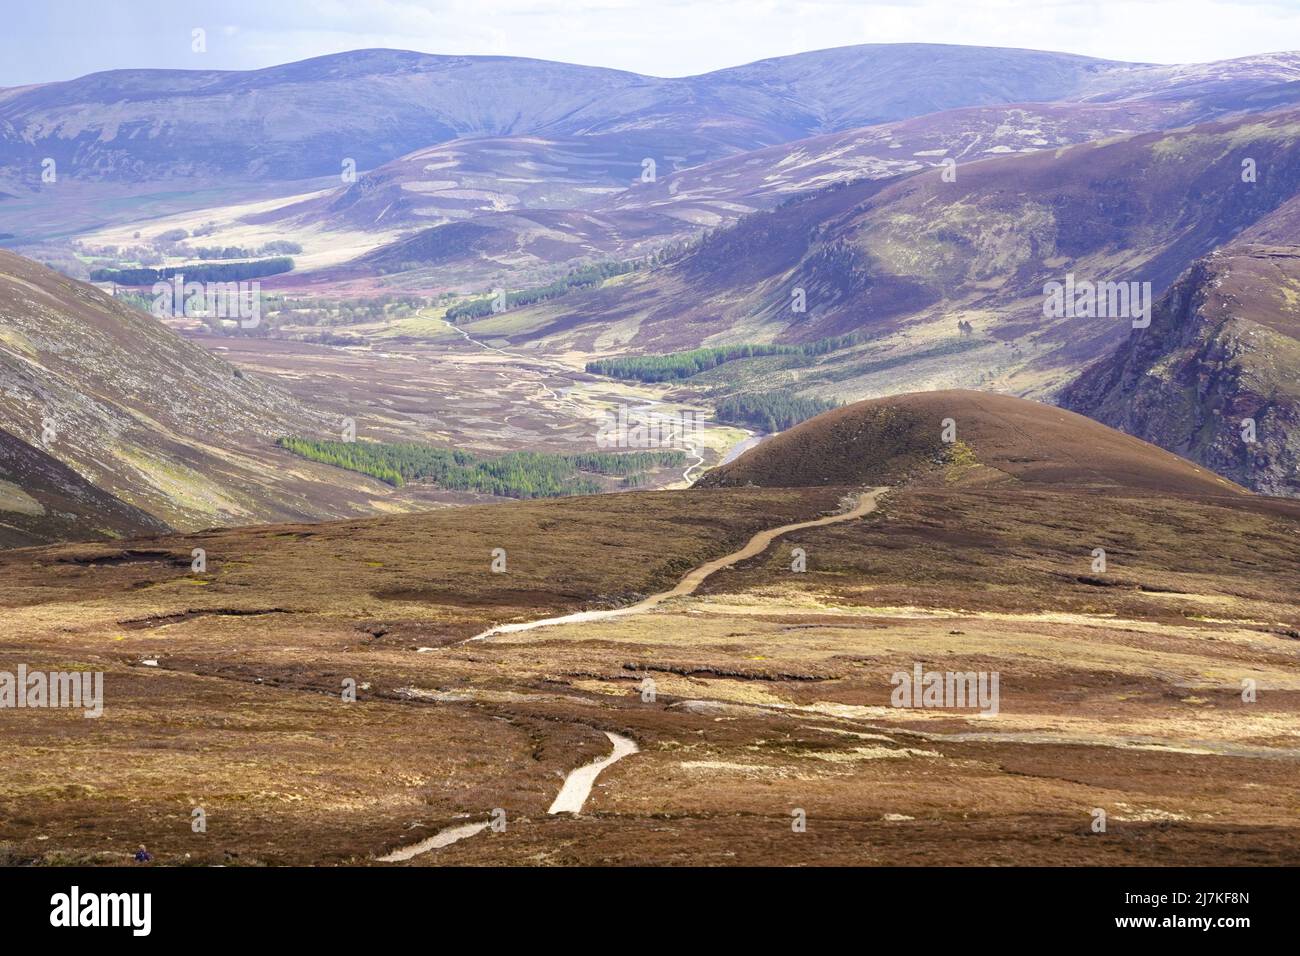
[1216, 378]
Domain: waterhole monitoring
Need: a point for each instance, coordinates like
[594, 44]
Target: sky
[61, 39]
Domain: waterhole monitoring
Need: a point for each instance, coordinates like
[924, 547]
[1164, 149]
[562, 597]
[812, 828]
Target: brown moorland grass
[1121, 690]
[884, 439]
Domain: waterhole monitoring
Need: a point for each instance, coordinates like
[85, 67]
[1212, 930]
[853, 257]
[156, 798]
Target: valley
[625, 470]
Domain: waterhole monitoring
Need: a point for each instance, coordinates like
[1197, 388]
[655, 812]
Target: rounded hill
[997, 438]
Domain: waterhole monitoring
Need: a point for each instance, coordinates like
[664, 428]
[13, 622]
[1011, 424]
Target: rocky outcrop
[1216, 377]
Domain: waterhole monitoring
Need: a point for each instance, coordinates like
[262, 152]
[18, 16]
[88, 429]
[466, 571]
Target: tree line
[581, 278]
[769, 411]
[275, 247]
[520, 474]
[679, 365]
[218, 272]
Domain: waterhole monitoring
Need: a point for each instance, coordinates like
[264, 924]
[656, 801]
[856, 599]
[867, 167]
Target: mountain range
[301, 119]
[835, 369]
[916, 201]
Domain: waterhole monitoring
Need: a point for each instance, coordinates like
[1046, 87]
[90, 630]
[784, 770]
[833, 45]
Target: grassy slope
[42, 500]
[998, 438]
[767, 684]
[154, 420]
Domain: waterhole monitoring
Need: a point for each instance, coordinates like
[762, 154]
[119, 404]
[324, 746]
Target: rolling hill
[901, 261]
[538, 205]
[135, 146]
[495, 181]
[376, 105]
[1120, 687]
[997, 439]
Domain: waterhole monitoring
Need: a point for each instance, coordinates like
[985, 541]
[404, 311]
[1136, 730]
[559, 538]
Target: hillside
[717, 192]
[1223, 348]
[370, 105]
[376, 105]
[1121, 688]
[902, 261]
[42, 500]
[454, 180]
[442, 140]
[999, 439]
[493, 181]
[538, 203]
[147, 417]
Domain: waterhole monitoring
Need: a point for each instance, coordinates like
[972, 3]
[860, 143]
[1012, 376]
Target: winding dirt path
[571, 798]
[694, 578]
[442, 838]
[578, 784]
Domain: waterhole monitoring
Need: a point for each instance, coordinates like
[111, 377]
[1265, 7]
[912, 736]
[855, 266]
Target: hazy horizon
[67, 39]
